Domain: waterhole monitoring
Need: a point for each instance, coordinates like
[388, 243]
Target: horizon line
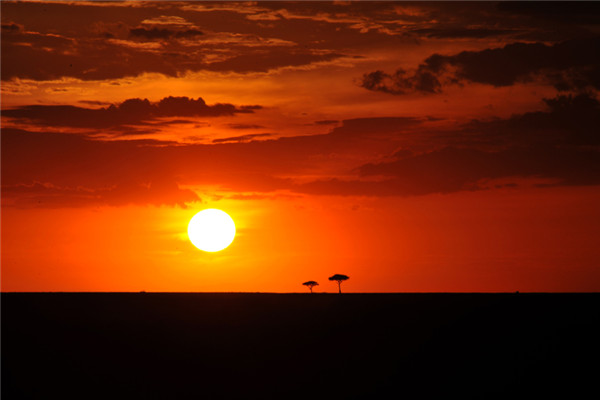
[301, 293]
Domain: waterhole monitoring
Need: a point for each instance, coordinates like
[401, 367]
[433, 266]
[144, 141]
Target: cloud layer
[568, 65]
[301, 62]
[130, 112]
[557, 147]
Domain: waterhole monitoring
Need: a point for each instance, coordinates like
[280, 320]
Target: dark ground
[284, 346]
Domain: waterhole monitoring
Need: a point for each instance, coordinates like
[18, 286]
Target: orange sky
[411, 146]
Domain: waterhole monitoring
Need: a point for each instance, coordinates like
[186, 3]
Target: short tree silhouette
[310, 285]
[339, 278]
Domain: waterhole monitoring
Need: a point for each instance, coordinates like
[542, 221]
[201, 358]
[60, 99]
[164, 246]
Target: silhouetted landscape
[176, 345]
[210, 149]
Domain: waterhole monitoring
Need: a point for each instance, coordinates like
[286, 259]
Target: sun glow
[211, 230]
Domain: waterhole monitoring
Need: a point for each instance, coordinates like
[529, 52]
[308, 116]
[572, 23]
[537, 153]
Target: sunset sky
[411, 146]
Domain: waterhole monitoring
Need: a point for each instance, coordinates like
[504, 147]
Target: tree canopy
[311, 284]
[339, 278]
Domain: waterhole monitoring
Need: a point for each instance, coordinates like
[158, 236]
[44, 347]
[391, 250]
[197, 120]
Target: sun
[211, 230]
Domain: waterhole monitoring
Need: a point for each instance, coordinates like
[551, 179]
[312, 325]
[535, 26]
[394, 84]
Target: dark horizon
[273, 346]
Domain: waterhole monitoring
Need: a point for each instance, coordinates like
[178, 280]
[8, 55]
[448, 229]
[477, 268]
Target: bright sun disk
[211, 230]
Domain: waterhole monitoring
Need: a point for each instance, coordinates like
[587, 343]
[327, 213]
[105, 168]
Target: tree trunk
[340, 287]
[310, 289]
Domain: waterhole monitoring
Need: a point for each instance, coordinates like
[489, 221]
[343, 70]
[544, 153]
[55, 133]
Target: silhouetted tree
[310, 284]
[339, 278]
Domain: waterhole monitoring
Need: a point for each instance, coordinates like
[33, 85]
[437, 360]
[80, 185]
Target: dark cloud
[75, 161]
[568, 121]
[376, 125]
[518, 61]
[244, 126]
[559, 145]
[454, 32]
[163, 33]
[401, 82]
[250, 109]
[452, 169]
[47, 57]
[573, 64]
[95, 44]
[95, 102]
[130, 112]
[62, 170]
[326, 122]
[11, 27]
[243, 138]
[365, 156]
[101, 35]
[50, 196]
[271, 60]
[563, 12]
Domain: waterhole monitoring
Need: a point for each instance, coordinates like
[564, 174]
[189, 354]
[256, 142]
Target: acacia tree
[339, 278]
[310, 285]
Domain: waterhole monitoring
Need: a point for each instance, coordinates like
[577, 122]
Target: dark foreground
[285, 346]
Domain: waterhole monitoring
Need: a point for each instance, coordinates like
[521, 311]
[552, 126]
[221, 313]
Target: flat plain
[284, 346]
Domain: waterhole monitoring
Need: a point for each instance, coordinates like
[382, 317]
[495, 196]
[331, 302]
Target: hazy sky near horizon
[411, 146]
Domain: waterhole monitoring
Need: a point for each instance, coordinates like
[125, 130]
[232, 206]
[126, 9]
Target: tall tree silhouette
[339, 278]
[310, 285]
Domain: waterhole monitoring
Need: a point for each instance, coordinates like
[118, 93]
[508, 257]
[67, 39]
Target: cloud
[364, 157]
[562, 12]
[46, 57]
[242, 138]
[454, 169]
[95, 102]
[568, 121]
[158, 33]
[171, 20]
[11, 27]
[95, 44]
[451, 170]
[47, 195]
[130, 112]
[568, 65]
[245, 126]
[166, 27]
[558, 146]
[272, 60]
[64, 170]
[66, 161]
[252, 31]
[456, 32]
[400, 82]
[326, 122]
